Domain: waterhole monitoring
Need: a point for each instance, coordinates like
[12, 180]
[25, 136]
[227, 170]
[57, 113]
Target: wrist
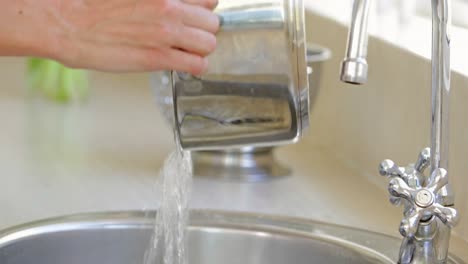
[28, 29]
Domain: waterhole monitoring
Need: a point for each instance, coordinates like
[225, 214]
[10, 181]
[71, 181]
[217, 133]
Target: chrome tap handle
[413, 174]
[388, 168]
[424, 160]
[423, 202]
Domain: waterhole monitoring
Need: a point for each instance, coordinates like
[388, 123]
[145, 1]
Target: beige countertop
[104, 156]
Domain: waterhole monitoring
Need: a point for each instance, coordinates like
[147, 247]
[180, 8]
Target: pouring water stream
[168, 240]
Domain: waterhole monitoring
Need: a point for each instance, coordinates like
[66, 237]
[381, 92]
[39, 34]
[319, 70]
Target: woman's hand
[119, 35]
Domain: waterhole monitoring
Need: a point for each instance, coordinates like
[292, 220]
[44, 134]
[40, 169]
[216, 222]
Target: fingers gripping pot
[255, 91]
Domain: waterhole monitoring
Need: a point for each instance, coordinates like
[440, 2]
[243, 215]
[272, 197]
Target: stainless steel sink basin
[214, 237]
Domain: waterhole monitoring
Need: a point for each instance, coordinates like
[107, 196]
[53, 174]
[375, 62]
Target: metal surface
[214, 237]
[354, 65]
[427, 221]
[246, 164]
[354, 70]
[255, 91]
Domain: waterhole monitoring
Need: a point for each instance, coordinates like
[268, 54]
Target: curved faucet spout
[354, 65]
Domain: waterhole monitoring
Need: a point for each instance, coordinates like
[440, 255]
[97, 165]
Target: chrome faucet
[428, 200]
[427, 220]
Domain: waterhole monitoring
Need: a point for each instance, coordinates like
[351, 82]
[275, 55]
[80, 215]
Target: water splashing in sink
[168, 241]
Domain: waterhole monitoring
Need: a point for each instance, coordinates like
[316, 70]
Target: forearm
[112, 35]
[27, 28]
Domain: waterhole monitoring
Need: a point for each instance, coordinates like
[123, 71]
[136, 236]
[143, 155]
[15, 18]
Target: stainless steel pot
[255, 92]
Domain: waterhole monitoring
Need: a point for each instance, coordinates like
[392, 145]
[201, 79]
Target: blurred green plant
[57, 82]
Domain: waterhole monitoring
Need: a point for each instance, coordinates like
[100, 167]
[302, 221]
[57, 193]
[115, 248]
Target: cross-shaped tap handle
[423, 202]
[412, 174]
